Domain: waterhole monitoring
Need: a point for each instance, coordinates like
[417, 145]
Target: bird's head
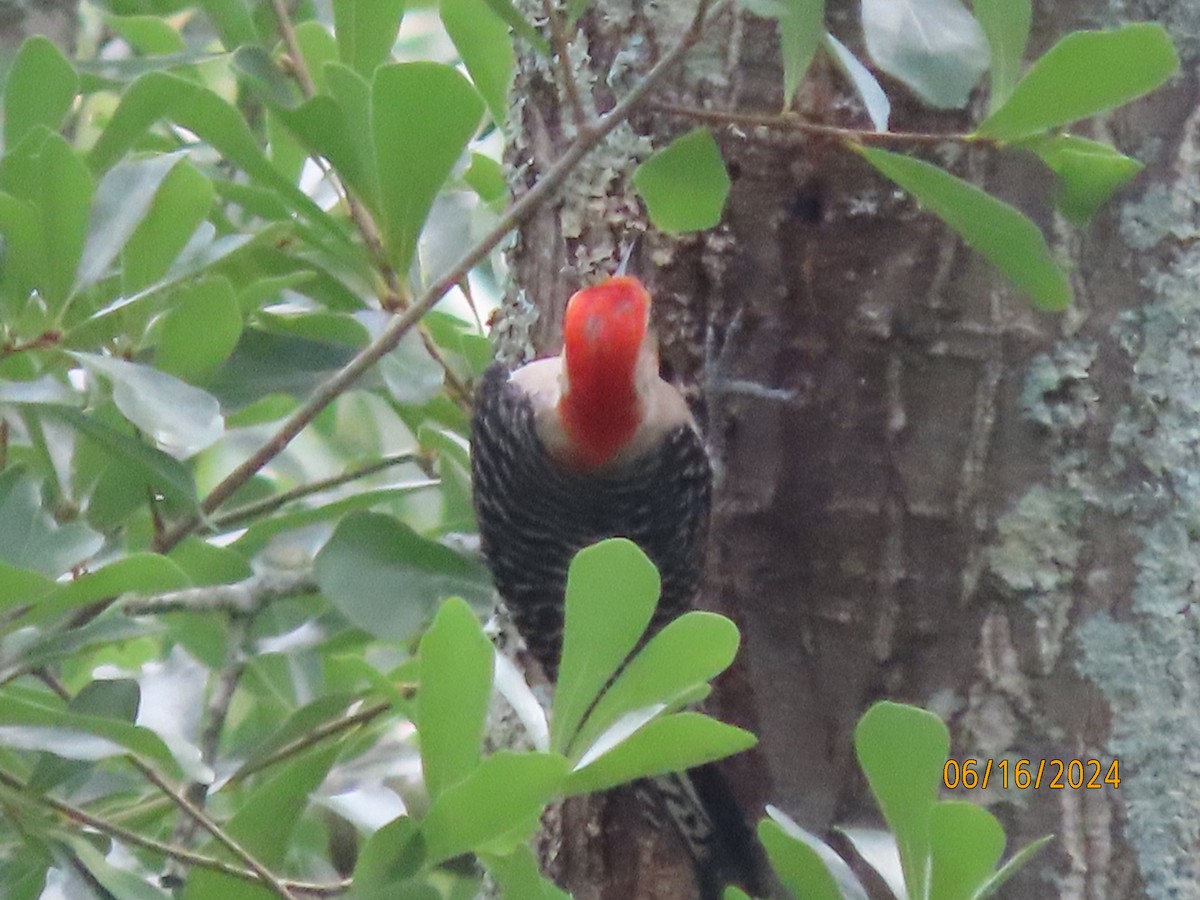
[610, 364]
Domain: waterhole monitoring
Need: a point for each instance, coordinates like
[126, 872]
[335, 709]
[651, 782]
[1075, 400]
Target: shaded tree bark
[928, 490]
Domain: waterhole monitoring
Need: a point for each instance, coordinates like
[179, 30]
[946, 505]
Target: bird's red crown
[603, 334]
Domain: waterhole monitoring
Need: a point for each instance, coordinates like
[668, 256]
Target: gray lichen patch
[1148, 664]
[1057, 392]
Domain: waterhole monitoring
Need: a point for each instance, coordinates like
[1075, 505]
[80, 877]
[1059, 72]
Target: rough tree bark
[928, 491]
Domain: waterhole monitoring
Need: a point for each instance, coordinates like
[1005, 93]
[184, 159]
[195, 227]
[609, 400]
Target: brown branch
[793, 122]
[562, 53]
[518, 212]
[244, 598]
[265, 875]
[270, 504]
[169, 851]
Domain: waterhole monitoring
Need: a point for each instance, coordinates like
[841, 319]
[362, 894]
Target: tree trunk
[928, 491]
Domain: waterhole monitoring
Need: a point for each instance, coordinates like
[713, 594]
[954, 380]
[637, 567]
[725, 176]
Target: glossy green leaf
[353, 156]
[1084, 74]
[520, 25]
[1089, 173]
[259, 71]
[966, 842]
[848, 885]
[798, 865]
[151, 35]
[54, 728]
[422, 115]
[123, 199]
[387, 579]
[299, 725]
[903, 750]
[65, 189]
[266, 820]
[1006, 238]
[390, 856]
[518, 875]
[181, 418]
[879, 108]
[180, 205]
[669, 744]
[412, 376]
[735, 893]
[483, 41]
[801, 25]
[164, 95]
[19, 587]
[25, 262]
[366, 32]
[1010, 868]
[232, 20]
[935, 47]
[40, 90]
[486, 178]
[161, 473]
[318, 47]
[141, 573]
[685, 184]
[114, 881]
[29, 536]
[456, 685]
[1006, 25]
[201, 329]
[612, 589]
[114, 699]
[496, 808]
[688, 652]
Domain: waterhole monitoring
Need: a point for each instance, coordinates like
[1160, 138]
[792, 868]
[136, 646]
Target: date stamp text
[1026, 774]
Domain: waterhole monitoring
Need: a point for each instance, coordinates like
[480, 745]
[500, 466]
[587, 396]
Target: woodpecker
[591, 444]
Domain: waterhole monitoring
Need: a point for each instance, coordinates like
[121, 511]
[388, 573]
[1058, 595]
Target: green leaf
[1007, 239]
[688, 652]
[798, 865]
[1089, 173]
[182, 418]
[934, 46]
[386, 579]
[232, 20]
[159, 471]
[350, 154]
[1084, 74]
[266, 820]
[669, 744]
[201, 329]
[390, 856]
[151, 35]
[518, 875]
[45, 727]
[114, 882]
[520, 25]
[879, 108]
[203, 112]
[902, 750]
[612, 589]
[496, 808]
[685, 184]
[40, 90]
[19, 587]
[966, 843]
[66, 195]
[366, 32]
[114, 699]
[1006, 25]
[140, 573]
[411, 375]
[486, 178]
[1010, 868]
[30, 538]
[483, 41]
[422, 115]
[25, 262]
[456, 685]
[800, 31]
[299, 725]
[318, 47]
[123, 199]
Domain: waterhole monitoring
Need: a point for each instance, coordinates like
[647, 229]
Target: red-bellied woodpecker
[591, 444]
[568, 450]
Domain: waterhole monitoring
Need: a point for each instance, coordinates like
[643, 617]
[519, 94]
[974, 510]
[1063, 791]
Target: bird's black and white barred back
[535, 514]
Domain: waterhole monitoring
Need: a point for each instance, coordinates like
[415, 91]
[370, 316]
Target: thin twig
[562, 53]
[793, 122]
[518, 212]
[270, 504]
[314, 737]
[170, 851]
[265, 875]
